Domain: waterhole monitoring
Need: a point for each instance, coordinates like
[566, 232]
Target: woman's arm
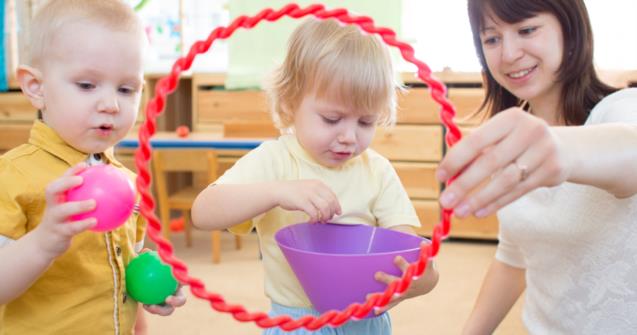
[604, 156]
[516, 152]
[501, 288]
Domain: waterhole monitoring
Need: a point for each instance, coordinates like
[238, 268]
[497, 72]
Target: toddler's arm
[27, 258]
[224, 205]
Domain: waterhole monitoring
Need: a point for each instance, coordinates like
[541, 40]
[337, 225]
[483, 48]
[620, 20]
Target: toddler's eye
[126, 90]
[329, 121]
[366, 123]
[85, 85]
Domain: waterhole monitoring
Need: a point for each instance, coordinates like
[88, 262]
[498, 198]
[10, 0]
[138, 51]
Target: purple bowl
[336, 263]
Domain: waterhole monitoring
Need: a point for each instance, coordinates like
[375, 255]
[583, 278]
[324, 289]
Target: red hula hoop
[168, 84]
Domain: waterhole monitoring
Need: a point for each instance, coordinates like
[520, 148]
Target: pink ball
[113, 194]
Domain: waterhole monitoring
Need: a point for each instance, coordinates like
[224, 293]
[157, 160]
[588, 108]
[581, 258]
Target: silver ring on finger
[524, 170]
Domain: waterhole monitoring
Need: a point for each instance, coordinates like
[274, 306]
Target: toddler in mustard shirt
[85, 75]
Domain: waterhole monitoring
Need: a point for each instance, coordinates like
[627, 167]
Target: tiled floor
[239, 278]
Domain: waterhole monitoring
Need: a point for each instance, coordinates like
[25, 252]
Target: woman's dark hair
[582, 89]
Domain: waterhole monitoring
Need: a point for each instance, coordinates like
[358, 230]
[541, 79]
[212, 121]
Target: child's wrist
[41, 247]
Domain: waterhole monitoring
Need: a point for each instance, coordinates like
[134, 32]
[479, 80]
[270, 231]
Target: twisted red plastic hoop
[169, 84]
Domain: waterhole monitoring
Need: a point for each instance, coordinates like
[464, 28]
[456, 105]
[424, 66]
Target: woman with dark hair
[559, 156]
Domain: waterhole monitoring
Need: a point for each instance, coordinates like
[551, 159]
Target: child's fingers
[311, 210]
[76, 227]
[384, 277]
[323, 208]
[57, 187]
[401, 263]
[75, 169]
[69, 209]
[176, 300]
[163, 310]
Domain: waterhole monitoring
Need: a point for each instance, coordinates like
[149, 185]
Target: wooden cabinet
[414, 145]
[16, 117]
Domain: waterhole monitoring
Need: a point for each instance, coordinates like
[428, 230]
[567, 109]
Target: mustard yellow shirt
[367, 186]
[83, 291]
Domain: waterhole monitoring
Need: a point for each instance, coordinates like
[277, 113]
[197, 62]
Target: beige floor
[239, 279]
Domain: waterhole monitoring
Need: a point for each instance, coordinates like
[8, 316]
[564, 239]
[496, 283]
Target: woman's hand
[508, 156]
[313, 197]
[420, 286]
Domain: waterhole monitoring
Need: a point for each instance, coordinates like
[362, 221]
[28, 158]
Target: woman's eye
[527, 31]
[490, 41]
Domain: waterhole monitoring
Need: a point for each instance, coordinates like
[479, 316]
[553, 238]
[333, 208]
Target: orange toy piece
[177, 225]
[183, 131]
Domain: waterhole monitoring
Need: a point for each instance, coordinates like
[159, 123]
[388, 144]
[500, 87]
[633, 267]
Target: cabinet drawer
[12, 135]
[15, 107]
[419, 179]
[416, 106]
[217, 106]
[472, 227]
[467, 101]
[429, 214]
[409, 143]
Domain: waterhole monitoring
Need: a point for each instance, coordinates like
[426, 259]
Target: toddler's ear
[30, 80]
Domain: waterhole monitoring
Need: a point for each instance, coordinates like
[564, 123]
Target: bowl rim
[396, 252]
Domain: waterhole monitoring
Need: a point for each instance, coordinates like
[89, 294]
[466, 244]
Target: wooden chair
[202, 161]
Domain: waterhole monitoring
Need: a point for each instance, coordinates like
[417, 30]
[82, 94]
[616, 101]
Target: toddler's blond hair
[55, 14]
[338, 62]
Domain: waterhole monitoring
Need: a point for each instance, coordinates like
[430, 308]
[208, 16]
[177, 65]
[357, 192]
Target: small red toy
[183, 131]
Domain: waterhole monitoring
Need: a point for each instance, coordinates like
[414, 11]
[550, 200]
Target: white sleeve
[4, 241]
[508, 252]
[619, 107]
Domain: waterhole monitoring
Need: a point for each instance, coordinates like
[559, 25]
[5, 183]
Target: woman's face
[524, 57]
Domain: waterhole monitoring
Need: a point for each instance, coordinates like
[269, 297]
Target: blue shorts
[380, 325]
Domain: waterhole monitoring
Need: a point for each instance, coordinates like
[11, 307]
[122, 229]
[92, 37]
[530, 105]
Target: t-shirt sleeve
[393, 206]
[265, 163]
[13, 203]
[619, 107]
[508, 252]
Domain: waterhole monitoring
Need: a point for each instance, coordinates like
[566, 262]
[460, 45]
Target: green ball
[149, 280]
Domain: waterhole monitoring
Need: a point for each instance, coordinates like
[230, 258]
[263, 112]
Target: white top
[367, 187]
[578, 245]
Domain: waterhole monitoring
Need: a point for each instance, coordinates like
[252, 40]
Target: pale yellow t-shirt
[367, 188]
[83, 291]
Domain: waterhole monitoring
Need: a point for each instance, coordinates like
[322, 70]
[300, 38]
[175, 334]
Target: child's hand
[55, 231]
[168, 307]
[423, 285]
[313, 197]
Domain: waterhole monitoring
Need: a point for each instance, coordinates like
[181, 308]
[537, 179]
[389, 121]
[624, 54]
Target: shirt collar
[47, 139]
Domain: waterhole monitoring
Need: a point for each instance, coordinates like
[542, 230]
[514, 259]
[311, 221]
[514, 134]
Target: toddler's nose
[108, 104]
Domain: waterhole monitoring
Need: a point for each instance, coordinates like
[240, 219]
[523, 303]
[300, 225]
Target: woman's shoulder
[621, 106]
